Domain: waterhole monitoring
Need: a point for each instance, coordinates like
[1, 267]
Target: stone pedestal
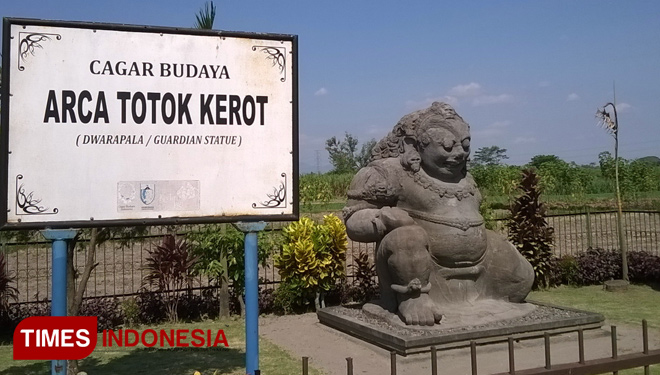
[392, 335]
[616, 285]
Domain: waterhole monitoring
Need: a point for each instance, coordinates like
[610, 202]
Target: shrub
[312, 257]
[564, 271]
[529, 231]
[597, 266]
[266, 301]
[643, 267]
[107, 310]
[18, 312]
[193, 306]
[7, 291]
[291, 297]
[151, 307]
[364, 287]
[170, 268]
[131, 311]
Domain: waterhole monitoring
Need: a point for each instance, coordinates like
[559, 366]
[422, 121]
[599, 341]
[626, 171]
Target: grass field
[174, 361]
[630, 307]
[639, 302]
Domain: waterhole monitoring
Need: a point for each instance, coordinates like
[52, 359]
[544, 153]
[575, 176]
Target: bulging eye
[466, 144]
[448, 144]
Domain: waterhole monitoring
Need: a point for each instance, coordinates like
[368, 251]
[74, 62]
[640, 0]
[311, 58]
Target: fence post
[434, 361]
[512, 360]
[473, 356]
[546, 339]
[349, 366]
[305, 365]
[645, 341]
[615, 351]
[393, 362]
[589, 239]
[581, 345]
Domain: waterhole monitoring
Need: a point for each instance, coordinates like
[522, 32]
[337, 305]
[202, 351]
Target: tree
[220, 256]
[76, 291]
[540, 159]
[492, 155]
[653, 160]
[205, 17]
[344, 154]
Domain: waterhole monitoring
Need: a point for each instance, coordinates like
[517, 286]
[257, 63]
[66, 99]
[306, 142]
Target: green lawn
[184, 361]
[630, 307]
[639, 302]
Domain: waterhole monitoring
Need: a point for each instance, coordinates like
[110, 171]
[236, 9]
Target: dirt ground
[327, 349]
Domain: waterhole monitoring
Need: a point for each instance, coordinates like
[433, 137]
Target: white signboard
[109, 125]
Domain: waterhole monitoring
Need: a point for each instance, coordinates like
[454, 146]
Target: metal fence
[613, 364]
[120, 268]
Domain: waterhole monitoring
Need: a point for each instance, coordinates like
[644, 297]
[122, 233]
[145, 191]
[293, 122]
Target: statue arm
[365, 225]
[369, 213]
[371, 224]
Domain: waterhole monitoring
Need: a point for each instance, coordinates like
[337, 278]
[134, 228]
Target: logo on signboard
[147, 193]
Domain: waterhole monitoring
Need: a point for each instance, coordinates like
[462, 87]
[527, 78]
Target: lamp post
[612, 126]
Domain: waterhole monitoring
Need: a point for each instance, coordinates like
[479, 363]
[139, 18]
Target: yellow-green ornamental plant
[313, 256]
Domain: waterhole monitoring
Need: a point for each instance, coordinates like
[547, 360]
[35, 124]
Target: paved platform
[327, 348]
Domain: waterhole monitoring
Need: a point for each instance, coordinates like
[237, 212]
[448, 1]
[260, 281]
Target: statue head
[436, 139]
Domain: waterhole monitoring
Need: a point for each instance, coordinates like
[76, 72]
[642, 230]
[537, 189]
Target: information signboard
[121, 125]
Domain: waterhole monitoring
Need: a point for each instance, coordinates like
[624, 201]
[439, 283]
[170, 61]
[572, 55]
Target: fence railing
[120, 268]
[612, 364]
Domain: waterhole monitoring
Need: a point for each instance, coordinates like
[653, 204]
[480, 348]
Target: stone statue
[417, 201]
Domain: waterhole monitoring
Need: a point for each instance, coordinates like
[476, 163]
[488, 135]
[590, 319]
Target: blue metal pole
[251, 295]
[60, 239]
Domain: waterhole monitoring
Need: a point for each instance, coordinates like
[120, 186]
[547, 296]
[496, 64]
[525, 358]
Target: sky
[528, 76]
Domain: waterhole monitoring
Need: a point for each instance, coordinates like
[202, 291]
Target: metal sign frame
[6, 197]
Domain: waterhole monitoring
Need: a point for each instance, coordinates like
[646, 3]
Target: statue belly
[455, 247]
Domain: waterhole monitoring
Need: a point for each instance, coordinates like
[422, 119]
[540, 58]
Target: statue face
[444, 148]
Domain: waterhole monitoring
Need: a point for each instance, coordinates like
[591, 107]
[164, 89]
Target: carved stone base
[458, 315]
[375, 325]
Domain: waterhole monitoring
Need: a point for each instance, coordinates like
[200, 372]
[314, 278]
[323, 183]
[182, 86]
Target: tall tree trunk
[223, 293]
[241, 302]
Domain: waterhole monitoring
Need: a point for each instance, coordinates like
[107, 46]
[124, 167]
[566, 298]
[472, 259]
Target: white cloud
[544, 84]
[471, 89]
[519, 140]
[320, 92]
[492, 99]
[493, 130]
[413, 105]
[623, 107]
[573, 97]
[500, 124]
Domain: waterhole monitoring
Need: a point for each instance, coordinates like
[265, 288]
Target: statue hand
[393, 217]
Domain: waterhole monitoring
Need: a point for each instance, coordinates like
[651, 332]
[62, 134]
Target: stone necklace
[441, 189]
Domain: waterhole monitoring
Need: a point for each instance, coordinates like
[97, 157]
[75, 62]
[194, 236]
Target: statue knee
[407, 240]
[405, 252]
